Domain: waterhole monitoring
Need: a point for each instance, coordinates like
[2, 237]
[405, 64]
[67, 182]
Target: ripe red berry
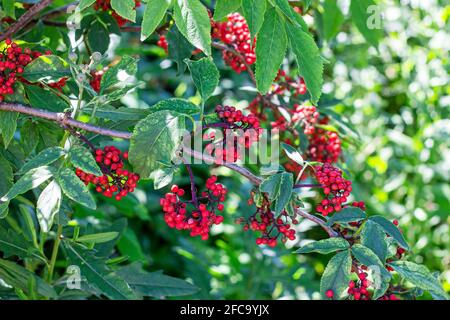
[329, 294]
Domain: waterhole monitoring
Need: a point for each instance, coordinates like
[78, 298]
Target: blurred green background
[396, 98]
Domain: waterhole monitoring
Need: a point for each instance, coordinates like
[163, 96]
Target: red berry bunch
[324, 146]
[235, 33]
[284, 84]
[97, 79]
[358, 289]
[116, 181]
[162, 42]
[58, 85]
[335, 187]
[105, 5]
[306, 116]
[202, 216]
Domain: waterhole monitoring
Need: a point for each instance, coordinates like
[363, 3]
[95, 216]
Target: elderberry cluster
[116, 181]
[284, 84]
[335, 188]
[235, 33]
[324, 145]
[162, 42]
[197, 215]
[105, 5]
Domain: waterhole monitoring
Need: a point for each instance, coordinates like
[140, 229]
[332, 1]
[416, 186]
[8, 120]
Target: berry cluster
[105, 5]
[203, 215]
[335, 187]
[116, 181]
[358, 289]
[324, 145]
[270, 227]
[235, 33]
[97, 79]
[162, 42]
[306, 116]
[284, 84]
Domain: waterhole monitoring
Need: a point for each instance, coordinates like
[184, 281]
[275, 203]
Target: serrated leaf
[125, 9]
[98, 237]
[97, 37]
[155, 140]
[32, 179]
[225, 7]
[85, 4]
[325, 246]
[180, 48]
[192, 19]
[419, 276]
[7, 178]
[15, 244]
[48, 206]
[44, 158]
[45, 99]
[293, 154]
[82, 158]
[153, 14]
[8, 126]
[293, 16]
[271, 38]
[254, 11]
[29, 136]
[363, 14]
[391, 229]
[155, 284]
[75, 189]
[368, 258]
[19, 277]
[309, 61]
[373, 237]
[346, 215]
[205, 75]
[279, 188]
[332, 19]
[8, 7]
[337, 275]
[46, 68]
[97, 273]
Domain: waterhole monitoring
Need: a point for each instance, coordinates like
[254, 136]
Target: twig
[26, 18]
[299, 186]
[192, 180]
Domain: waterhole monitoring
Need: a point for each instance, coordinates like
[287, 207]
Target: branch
[66, 122]
[25, 19]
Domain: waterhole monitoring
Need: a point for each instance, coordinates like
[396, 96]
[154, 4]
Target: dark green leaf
[7, 177]
[46, 68]
[373, 237]
[337, 275]
[8, 126]
[97, 37]
[180, 48]
[271, 38]
[366, 16]
[346, 215]
[75, 189]
[8, 7]
[332, 19]
[225, 7]
[368, 258]
[254, 11]
[41, 98]
[205, 75]
[82, 158]
[279, 188]
[15, 244]
[44, 158]
[293, 16]
[85, 4]
[391, 229]
[325, 246]
[98, 237]
[154, 13]
[130, 246]
[113, 77]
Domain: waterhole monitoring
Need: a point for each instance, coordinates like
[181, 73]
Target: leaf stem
[55, 250]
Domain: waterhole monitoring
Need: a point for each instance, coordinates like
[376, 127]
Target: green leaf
[293, 16]
[155, 284]
[7, 178]
[113, 76]
[48, 206]
[271, 38]
[180, 48]
[98, 237]
[125, 9]
[75, 189]
[46, 68]
[419, 276]
[363, 14]
[225, 7]
[85, 4]
[373, 237]
[254, 11]
[346, 215]
[19, 278]
[8, 126]
[337, 274]
[32, 179]
[391, 229]
[8, 7]
[325, 246]
[279, 188]
[368, 258]
[205, 75]
[332, 19]
[15, 244]
[308, 58]
[130, 246]
[293, 154]
[97, 37]
[41, 98]
[97, 273]
[29, 136]
[153, 14]
[177, 105]
[82, 158]
[155, 140]
[192, 19]
[162, 177]
[44, 158]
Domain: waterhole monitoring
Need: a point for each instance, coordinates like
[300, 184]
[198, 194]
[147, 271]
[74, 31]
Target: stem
[298, 186]
[55, 250]
[191, 178]
[26, 18]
